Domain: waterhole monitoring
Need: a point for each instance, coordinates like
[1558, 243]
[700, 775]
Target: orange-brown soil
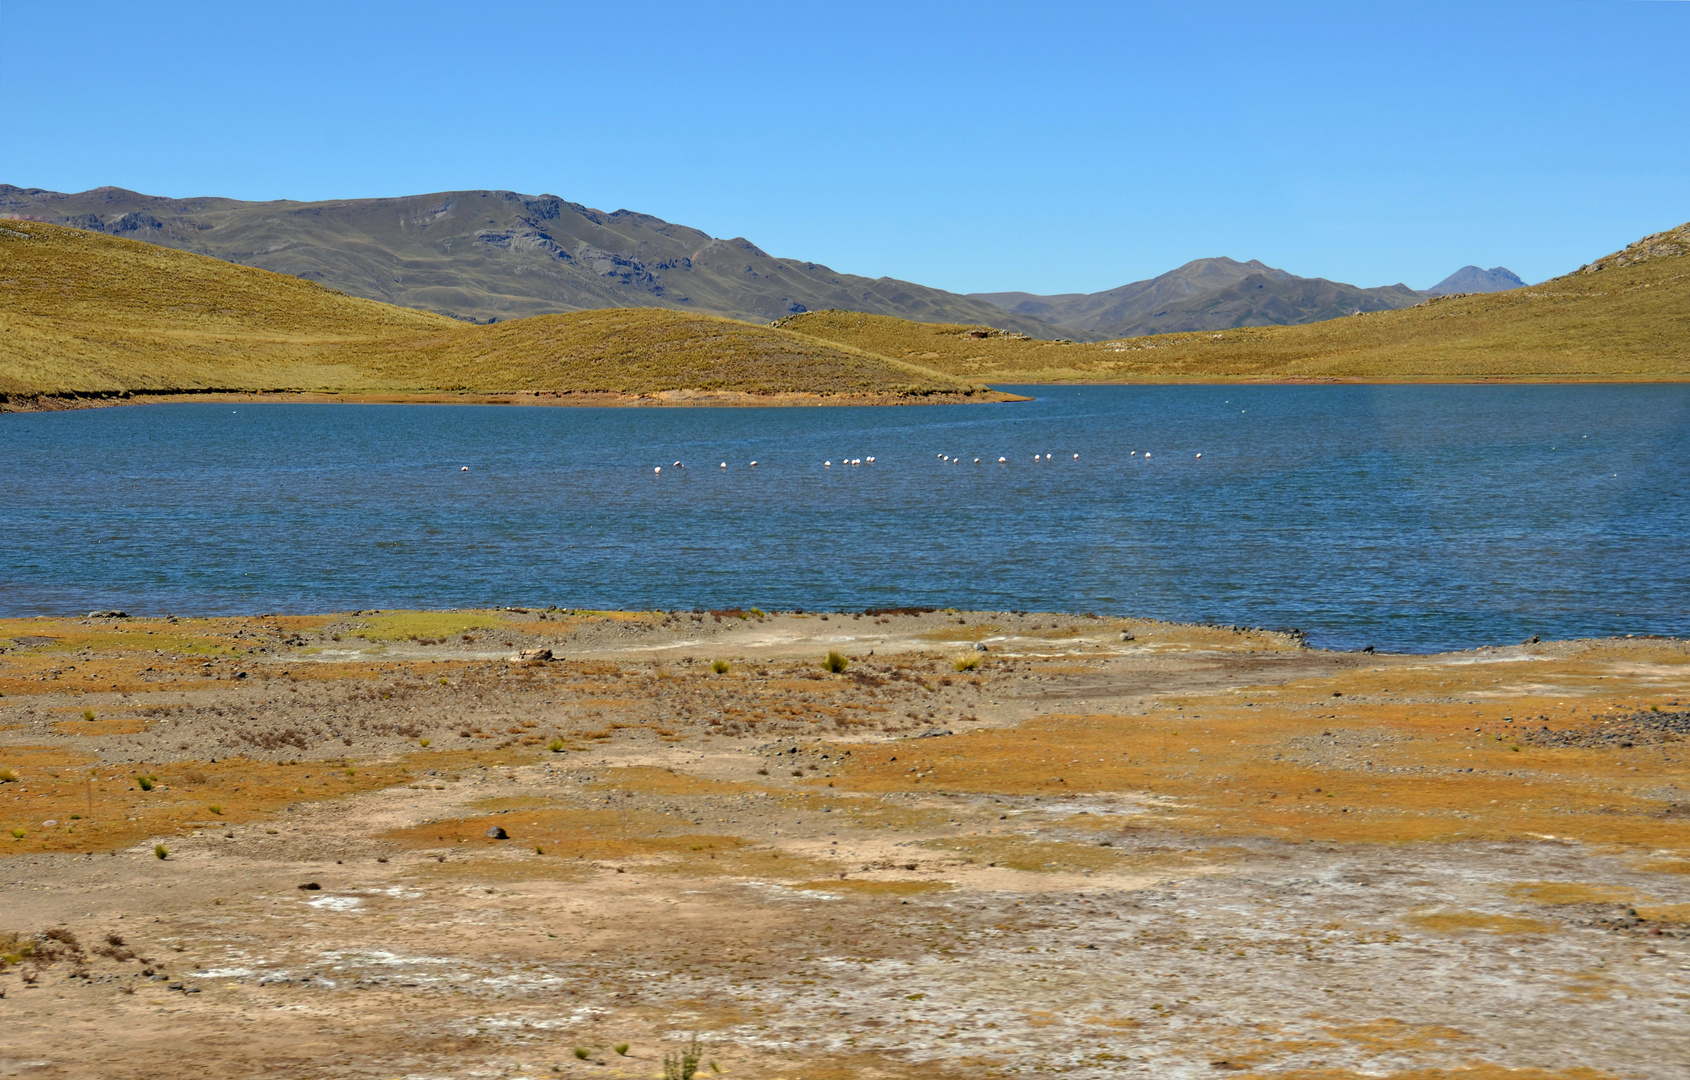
[1098, 848]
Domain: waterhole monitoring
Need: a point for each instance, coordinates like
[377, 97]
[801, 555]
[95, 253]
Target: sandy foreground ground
[995, 844]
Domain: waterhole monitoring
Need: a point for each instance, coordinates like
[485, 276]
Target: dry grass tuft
[1467, 921]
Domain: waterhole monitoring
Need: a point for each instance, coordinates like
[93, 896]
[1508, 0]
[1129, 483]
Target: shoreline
[67, 402]
[1036, 834]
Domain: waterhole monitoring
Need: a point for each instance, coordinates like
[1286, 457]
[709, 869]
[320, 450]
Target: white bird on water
[724, 464]
[1199, 456]
[1076, 457]
[753, 463]
[657, 470]
[1001, 460]
[464, 469]
[678, 465]
[829, 464]
[869, 460]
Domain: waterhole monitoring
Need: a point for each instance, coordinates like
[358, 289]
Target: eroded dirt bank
[1090, 848]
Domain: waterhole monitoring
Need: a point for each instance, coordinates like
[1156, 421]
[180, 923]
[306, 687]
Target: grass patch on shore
[1476, 921]
[100, 807]
[1305, 760]
[404, 625]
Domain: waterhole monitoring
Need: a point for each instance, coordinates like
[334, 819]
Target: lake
[1407, 517]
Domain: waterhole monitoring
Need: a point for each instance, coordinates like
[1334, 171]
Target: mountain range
[485, 256]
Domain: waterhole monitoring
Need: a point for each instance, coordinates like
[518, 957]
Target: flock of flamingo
[946, 458]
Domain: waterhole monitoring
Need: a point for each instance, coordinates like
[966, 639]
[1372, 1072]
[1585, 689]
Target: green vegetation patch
[404, 625]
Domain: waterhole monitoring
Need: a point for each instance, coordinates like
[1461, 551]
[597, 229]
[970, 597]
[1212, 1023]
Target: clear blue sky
[973, 146]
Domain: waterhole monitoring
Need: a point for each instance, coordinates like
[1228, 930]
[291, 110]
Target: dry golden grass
[86, 314]
[1564, 892]
[101, 808]
[1299, 764]
[1625, 317]
[1468, 921]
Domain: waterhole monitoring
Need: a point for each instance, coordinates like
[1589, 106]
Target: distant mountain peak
[1471, 279]
[1215, 293]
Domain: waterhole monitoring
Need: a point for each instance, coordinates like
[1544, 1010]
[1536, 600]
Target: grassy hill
[487, 255]
[1625, 316]
[87, 314]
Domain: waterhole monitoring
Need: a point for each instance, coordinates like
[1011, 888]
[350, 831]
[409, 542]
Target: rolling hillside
[1624, 316]
[486, 255]
[84, 314]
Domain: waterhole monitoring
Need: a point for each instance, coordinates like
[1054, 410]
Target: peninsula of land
[89, 319]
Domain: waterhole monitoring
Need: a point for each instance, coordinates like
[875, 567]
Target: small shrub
[582, 1053]
[424, 742]
[7, 776]
[539, 850]
[683, 1064]
[555, 746]
[18, 834]
[161, 851]
[218, 810]
[622, 1049]
[720, 667]
[967, 663]
[87, 714]
[836, 662]
[145, 783]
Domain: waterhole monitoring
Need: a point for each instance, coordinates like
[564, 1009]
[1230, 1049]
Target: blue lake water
[1409, 517]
